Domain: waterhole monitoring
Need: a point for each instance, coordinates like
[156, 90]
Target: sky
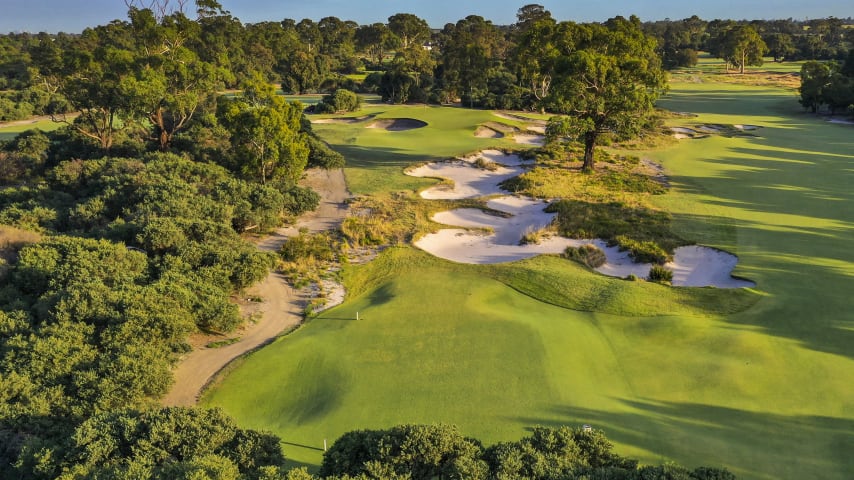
[74, 15]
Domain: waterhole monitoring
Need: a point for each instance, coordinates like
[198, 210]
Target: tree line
[174, 143]
[679, 41]
[403, 59]
[187, 443]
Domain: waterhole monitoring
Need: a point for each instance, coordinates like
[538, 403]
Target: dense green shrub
[341, 100]
[163, 443]
[317, 246]
[657, 273]
[320, 155]
[587, 254]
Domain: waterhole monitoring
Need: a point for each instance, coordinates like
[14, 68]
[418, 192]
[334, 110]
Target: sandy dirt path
[282, 306]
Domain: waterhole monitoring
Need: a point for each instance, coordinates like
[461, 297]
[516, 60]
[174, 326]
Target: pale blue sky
[75, 15]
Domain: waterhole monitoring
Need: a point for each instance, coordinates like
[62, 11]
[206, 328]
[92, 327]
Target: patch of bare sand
[528, 139]
[468, 179]
[517, 117]
[487, 132]
[497, 237]
[343, 120]
[281, 307]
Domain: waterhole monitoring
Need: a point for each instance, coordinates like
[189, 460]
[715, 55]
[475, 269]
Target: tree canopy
[607, 81]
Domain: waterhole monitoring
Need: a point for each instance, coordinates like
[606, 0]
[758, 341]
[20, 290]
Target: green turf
[766, 391]
[376, 158]
[11, 131]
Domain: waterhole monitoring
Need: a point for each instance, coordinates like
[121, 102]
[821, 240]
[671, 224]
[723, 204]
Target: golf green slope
[766, 392]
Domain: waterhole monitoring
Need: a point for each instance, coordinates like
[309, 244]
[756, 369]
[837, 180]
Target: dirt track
[281, 307]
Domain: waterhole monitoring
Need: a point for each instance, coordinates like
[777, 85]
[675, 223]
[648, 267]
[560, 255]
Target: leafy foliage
[165, 443]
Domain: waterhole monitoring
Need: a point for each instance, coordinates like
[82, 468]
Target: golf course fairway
[766, 391]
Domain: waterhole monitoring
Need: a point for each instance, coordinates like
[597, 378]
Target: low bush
[642, 251]
[341, 100]
[660, 274]
[320, 155]
[588, 255]
[317, 246]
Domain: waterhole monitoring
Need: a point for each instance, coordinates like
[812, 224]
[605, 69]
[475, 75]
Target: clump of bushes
[588, 254]
[341, 100]
[660, 274]
[642, 251]
[485, 164]
[317, 246]
[532, 237]
[320, 155]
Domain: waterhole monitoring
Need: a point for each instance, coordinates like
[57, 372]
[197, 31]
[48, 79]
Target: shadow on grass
[787, 209]
[754, 444]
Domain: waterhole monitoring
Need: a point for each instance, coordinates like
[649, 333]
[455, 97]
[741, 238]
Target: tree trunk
[160, 123]
[743, 56]
[589, 145]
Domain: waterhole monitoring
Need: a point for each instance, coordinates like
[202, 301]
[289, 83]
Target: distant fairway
[766, 392]
[376, 158]
[10, 131]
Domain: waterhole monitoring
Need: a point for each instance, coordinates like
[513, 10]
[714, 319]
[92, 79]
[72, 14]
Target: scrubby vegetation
[341, 100]
[659, 274]
[613, 203]
[588, 255]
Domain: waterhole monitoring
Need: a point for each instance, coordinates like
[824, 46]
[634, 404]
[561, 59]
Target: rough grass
[395, 219]
[614, 203]
[707, 379]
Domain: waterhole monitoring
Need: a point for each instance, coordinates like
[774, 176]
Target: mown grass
[8, 132]
[376, 158]
[757, 381]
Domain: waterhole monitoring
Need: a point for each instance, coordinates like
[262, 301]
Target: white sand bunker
[699, 266]
[746, 127]
[499, 236]
[397, 124]
[711, 128]
[683, 132]
[487, 132]
[517, 117]
[527, 139]
[344, 120]
[502, 245]
[474, 176]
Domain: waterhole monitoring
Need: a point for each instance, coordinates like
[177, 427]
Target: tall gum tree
[608, 84]
[743, 46]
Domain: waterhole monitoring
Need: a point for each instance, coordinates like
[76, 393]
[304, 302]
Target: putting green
[766, 392]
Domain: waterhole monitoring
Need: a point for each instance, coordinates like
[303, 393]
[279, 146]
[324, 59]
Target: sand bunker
[397, 124]
[746, 127]
[343, 120]
[526, 139]
[502, 245]
[487, 132]
[541, 129]
[499, 236]
[517, 117]
[683, 130]
[711, 128]
[469, 179]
